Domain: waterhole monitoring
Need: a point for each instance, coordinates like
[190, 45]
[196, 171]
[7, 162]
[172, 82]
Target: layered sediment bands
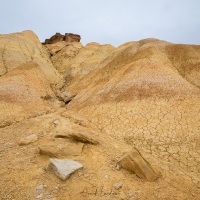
[28, 80]
[24, 92]
[19, 48]
[143, 94]
[185, 58]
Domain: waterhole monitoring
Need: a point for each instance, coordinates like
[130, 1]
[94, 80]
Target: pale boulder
[64, 168]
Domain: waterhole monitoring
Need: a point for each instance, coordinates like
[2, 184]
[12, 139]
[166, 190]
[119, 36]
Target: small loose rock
[56, 122]
[40, 187]
[118, 167]
[29, 139]
[117, 185]
[39, 196]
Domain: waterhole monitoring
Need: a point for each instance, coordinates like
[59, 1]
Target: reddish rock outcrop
[68, 37]
[55, 38]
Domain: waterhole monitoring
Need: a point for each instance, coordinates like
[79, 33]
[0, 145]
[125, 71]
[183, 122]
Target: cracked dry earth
[143, 95]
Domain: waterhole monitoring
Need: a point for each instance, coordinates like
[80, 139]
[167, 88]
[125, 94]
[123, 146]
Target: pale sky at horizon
[105, 21]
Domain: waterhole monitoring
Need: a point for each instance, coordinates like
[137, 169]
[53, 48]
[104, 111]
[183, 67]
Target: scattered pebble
[57, 187]
[86, 175]
[39, 196]
[41, 187]
[117, 185]
[118, 167]
[29, 139]
[56, 122]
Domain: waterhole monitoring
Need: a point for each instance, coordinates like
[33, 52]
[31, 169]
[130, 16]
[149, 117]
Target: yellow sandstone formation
[143, 94]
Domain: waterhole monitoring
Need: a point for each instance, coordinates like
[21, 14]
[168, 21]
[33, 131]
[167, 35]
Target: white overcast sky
[105, 21]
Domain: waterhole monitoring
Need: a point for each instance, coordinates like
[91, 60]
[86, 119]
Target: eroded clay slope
[147, 94]
[24, 92]
[18, 48]
[185, 59]
[142, 97]
[72, 59]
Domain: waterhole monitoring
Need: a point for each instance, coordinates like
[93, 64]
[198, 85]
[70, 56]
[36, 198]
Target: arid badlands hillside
[125, 120]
